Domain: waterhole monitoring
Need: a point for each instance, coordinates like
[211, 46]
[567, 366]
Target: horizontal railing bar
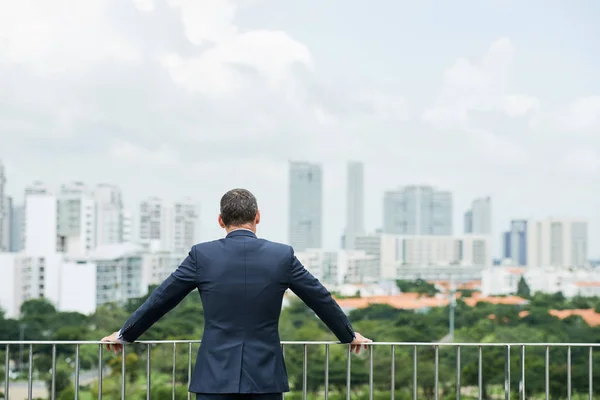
[504, 344]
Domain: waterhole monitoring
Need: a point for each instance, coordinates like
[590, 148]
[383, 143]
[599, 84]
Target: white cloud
[51, 37]
[482, 86]
[583, 161]
[137, 154]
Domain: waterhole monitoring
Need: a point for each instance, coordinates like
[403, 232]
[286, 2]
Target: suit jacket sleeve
[162, 300]
[318, 298]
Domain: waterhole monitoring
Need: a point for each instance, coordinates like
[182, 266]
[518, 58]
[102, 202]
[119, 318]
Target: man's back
[241, 280]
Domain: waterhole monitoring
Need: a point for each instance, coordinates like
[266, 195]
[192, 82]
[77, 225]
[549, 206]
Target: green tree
[523, 289]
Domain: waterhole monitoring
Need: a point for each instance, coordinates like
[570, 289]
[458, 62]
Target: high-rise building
[153, 229]
[39, 221]
[185, 226]
[478, 219]
[355, 204]
[6, 226]
[417, 210]
[128, 228]
[515, 242]
[166, 227]
[557, 243]
[305, 205]
[76, 219]
[109, 224]
[16, 229]
[4, 238]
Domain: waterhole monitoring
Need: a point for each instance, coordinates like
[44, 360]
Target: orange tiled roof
[591, 317]
[412, 301]
[587, 284]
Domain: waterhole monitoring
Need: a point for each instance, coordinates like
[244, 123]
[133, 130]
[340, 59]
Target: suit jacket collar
[241, 232]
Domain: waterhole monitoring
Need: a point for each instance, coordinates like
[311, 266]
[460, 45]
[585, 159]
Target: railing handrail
[316, 343]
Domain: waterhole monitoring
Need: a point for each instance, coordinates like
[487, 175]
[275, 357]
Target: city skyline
[183, 224]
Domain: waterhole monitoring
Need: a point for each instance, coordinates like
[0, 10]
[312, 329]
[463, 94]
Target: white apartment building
[4, 235]
[478, 219]
[185, 225]
[168, 227]
[6, 223]
[39, 220]
[557, 243]
[76, 219]
[8, 299]
[305, 206]
[110, 216]
[157, 266]
[322, 264]
[397, 255]
[355, 204]
[128, 227]
[504, 280]
[417, 210]
[119, 273]
[342, 266]
[69, 286]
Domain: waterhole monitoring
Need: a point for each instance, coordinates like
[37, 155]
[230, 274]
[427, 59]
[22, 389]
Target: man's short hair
[238, 207]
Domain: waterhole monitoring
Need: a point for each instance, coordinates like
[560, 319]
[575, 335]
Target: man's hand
[359, 342]
[112, 343]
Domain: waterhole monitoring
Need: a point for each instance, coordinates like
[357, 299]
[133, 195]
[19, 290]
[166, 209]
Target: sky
[187, 98]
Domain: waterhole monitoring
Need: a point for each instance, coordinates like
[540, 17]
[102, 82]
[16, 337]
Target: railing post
[393, 384]
[507, 373]
[458, 372]
[480, 371]
[569, 389]
[148, 371]
[77, 372]
[326, 371]
[547, 372]
[348, 373]
[7, 372]
[30, 378]
[304, 372]
[371, 372]
[189, 396]
[437, 372]
[123, 373]
[100, 370]
[174, 370]
[53, 383]
[415, 365]
[522, 383]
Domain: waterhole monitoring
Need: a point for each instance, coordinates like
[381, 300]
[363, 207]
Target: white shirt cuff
[120, 339]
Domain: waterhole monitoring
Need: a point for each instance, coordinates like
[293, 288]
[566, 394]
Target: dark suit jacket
[241, 280]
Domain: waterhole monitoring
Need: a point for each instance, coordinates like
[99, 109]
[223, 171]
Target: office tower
[185, 226]
[478, 219]
[109, 225]
[305, 206]
[515, 242]
[128, 228]
[17, 223]
[355, 204]
[76, 216]
[39, 221]
[3, 212]
[153, 229]
[417, 210]
[6, 226]
[557, 243]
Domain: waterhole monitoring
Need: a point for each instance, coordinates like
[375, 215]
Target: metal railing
[412, 354]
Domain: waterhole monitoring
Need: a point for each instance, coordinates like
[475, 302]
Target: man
[241, 280]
